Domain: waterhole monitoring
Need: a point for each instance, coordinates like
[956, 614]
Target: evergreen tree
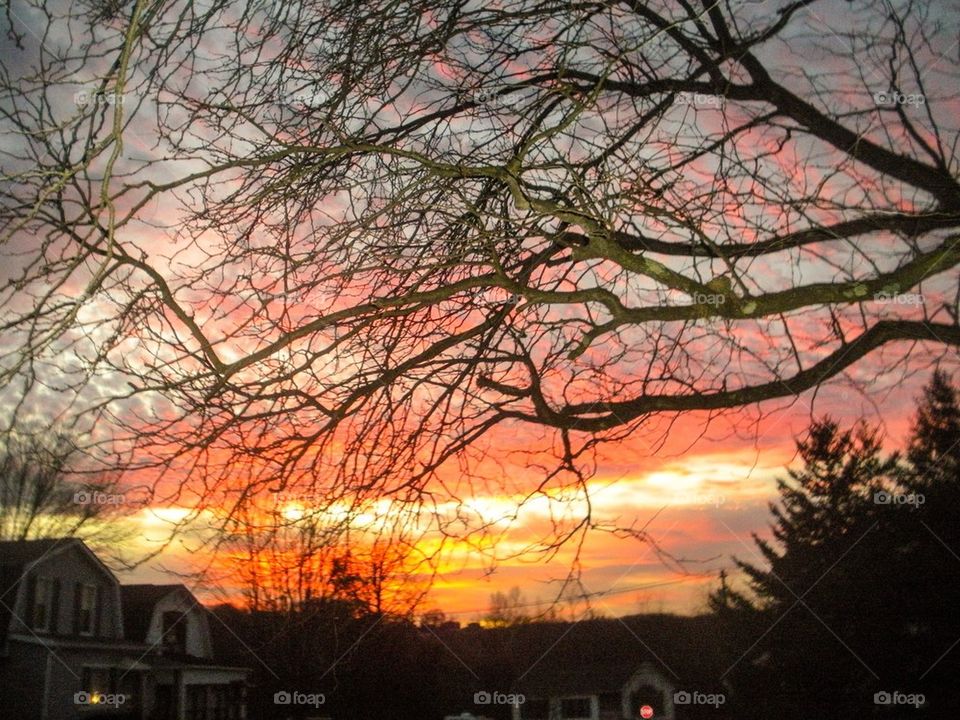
[814, 610]
[860, 583]
[934, 451]
[933, 482]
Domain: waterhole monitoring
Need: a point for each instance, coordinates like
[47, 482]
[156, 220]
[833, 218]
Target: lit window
[97, 681]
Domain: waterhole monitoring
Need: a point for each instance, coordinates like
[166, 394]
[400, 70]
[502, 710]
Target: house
[76, 644]
[642, 667]
[600, 691]
[184, 676]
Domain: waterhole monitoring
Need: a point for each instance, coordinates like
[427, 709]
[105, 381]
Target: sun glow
[165, 515]
[293, 511]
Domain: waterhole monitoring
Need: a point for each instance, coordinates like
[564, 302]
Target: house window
[42, 605]
[198, 702]
[535, 709]
[86, 609]
[175, 632]
[610, 704]
[576, 708]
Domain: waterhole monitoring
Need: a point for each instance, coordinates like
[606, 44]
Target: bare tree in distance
[507, 608]
[46, 493]
[368, 250]
[293, 557]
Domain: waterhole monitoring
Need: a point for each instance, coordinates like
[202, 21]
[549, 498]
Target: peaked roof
[138, 603]
[17, 555]
[23, 552]
[601, 656]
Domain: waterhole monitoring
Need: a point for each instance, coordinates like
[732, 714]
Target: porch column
[180, 689]
[143, 695]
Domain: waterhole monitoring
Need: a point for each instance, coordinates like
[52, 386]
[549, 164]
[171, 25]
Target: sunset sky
[700, 505]
[243, 337]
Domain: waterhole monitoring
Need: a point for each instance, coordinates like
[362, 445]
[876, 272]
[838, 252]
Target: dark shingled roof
[138, 603]
[23, 552]
[601, 656]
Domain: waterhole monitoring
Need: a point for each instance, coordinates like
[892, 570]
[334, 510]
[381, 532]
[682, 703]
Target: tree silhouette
[933, 565]
[48, 489]
[507, 608]
[377, 241]
[851, 596]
